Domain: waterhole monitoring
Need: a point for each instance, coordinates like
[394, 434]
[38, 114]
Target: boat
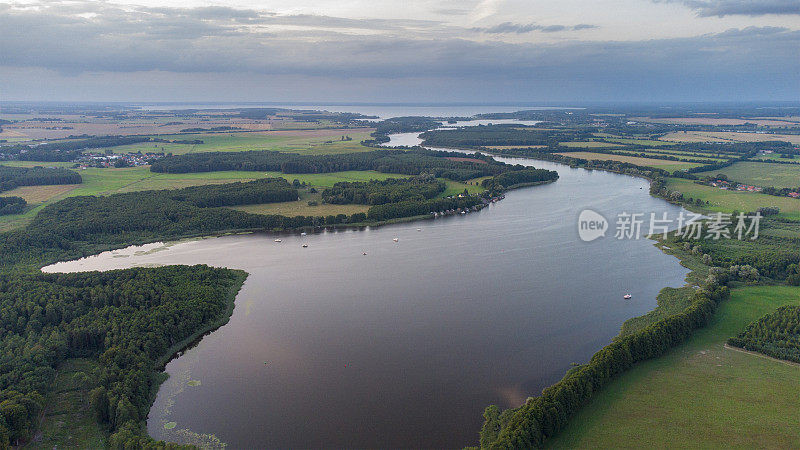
[627, 296]
[277, 240]
[419, 229]
[305, 245]
[365, 253]
[396, 239]
[303, 233]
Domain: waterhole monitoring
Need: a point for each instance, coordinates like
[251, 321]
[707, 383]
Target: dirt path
[788, 363]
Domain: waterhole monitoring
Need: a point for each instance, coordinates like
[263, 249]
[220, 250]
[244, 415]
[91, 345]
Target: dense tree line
[414, 162]
[76, 226]
[418, 208]
[406, 124]
[127, 319]
[773, 254]
[510, 179]
[12, 205]
[378, 192]
[67, 150]
[501, 135]
[83, 225]
[540, 418]
[776, 335]
[13, 177]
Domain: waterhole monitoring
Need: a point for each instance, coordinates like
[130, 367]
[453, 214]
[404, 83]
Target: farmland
[721, 200]
[651, 162]
[726, 136]
[589, 144]
[767, 122]
[298, 141]
[761, 174]
[700, 394]
[111, 181]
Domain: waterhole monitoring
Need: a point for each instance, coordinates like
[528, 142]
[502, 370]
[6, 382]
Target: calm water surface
[405, 346]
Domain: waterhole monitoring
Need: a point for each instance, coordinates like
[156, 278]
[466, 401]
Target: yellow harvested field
[40, 194]
[725, 136]
[503, 147]
[771, 122]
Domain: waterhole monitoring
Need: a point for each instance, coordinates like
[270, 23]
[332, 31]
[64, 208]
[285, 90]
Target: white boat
[277, 240]
[303, 233]
[305, 245]
[396, 239]
[627, 296]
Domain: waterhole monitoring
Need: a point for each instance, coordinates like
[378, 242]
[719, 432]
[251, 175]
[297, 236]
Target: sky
[400, 51]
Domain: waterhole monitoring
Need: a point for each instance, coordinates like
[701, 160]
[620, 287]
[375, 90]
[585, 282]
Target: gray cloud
[254, 46]
[519, 28]
[721, 8]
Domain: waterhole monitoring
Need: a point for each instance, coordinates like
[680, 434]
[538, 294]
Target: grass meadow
[762, 174]
[721, 200]
[700, 394]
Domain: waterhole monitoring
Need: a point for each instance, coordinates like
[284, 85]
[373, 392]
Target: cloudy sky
[400, 50]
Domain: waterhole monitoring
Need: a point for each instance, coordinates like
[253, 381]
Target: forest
[12, 205]
[413, 162]
[502, 135]
[418, 208]
[83, 225]
[378, 192]
[776, 335]
[76, 226]
[13, 177]
[514, 178]
[128, 319]
[67, 150]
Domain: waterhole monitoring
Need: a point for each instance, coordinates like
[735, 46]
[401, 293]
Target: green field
[721, 200]
[455, 188]
[301, 207]
[700, 394]
[588, 144]
[761, 174]
[300, 141]
[111, 181]
[776, 157]
[67, 421]
[638, 141]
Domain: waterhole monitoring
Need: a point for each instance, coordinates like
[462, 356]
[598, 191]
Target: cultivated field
[771, 122]
[305, 142]
[301, 207]
[700, 394]
[650, 142]
[650, 162]
[724, 136]
[112, 181]
[588, 144]
[40, 194]
[762, 174]
[727, 201]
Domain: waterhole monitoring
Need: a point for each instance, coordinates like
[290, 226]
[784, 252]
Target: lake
[406, 345]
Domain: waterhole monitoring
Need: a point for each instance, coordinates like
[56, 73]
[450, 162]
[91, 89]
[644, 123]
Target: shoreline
[176, 350]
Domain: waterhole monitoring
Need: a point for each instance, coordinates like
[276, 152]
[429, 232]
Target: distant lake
[406, 345]
[384, 111]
